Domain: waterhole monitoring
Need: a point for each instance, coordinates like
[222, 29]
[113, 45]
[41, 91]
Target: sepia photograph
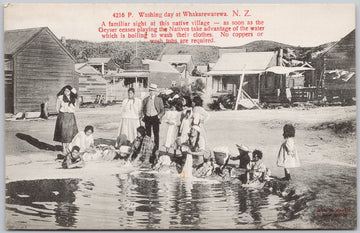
[180, 116]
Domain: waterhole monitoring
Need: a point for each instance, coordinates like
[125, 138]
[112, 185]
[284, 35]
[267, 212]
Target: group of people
[186, 137]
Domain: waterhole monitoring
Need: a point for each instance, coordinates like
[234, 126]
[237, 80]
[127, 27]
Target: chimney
[63, 40]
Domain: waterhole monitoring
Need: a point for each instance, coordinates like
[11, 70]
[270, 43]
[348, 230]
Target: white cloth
[200, 116]
[129, 122]
[62, 106]
[287, 156]
[185, 129]
[172, 119]
[82, 141]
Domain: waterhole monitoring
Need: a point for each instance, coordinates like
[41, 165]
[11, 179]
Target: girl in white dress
[130, 116]
[287, 157]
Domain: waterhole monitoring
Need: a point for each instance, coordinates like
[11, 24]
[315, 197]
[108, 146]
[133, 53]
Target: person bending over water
[142, 148]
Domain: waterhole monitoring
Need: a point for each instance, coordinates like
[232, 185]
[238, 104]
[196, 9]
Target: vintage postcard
[180, 116]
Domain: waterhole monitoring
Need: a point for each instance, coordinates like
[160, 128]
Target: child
[287, 157]
[73, 159]
[256, 170]
[185, 126]
[84, 140]
[172, 119]
[142, 147]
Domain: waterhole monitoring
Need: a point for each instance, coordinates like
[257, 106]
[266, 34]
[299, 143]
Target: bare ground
[325, 140]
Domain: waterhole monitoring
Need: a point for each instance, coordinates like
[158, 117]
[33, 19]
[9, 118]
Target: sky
[294, 24]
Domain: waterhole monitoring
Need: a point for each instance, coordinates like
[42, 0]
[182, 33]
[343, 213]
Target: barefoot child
[287, 157]
[256, 170]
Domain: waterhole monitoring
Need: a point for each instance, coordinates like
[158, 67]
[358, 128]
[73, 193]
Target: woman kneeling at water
[142, 147]
[195, 147]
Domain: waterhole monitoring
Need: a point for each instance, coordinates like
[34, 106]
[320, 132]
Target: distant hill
[262, 46]
[124, 52]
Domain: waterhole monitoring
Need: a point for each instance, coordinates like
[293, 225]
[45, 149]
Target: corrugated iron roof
[98, 60]
[16, 39]
[158, 66]
[177, 58]
[249, 62]
[86, 69]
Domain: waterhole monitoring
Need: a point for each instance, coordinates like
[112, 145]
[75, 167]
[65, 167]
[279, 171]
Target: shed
[163, 74]
[37, 66]
[91, 82]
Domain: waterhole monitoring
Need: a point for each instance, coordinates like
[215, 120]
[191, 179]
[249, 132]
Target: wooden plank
[34, 59]
[240, 88]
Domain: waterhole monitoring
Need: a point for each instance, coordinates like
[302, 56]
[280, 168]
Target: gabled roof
[229, 50]
[86, 69]
[98, 60]
[16, 40]
[158, 66]
[237, 63]
[350, 35]
[177, 58]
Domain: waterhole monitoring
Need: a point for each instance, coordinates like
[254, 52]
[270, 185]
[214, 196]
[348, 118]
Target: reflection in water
[142, 200]
[38, 194]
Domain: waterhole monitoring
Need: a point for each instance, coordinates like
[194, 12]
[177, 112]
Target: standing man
[153, 111]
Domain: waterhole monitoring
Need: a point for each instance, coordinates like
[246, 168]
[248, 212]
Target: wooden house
[336, 69]
[225, 75]
[139, 74]
[37, 66]
[103, 64]
[265, 79]
[91, 83]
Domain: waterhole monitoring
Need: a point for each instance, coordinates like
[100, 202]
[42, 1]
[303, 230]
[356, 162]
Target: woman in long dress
[172, 119]
[200, 115]
[130, 115]
[65, 128]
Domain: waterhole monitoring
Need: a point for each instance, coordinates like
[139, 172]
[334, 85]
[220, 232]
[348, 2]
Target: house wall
[90, 86]
[42, 68]
[9, 85]
[295, 81]
[342, 55]
[165, 80]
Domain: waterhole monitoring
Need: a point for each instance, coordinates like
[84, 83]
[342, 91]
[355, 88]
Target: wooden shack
[336, 69]
[37, 66]
[91, 83]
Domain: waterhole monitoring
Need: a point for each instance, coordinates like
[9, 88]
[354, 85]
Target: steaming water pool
[140, 200]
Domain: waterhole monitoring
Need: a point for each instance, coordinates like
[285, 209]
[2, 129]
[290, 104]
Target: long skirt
[128, 128]
[65, 128]
[171, 136]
